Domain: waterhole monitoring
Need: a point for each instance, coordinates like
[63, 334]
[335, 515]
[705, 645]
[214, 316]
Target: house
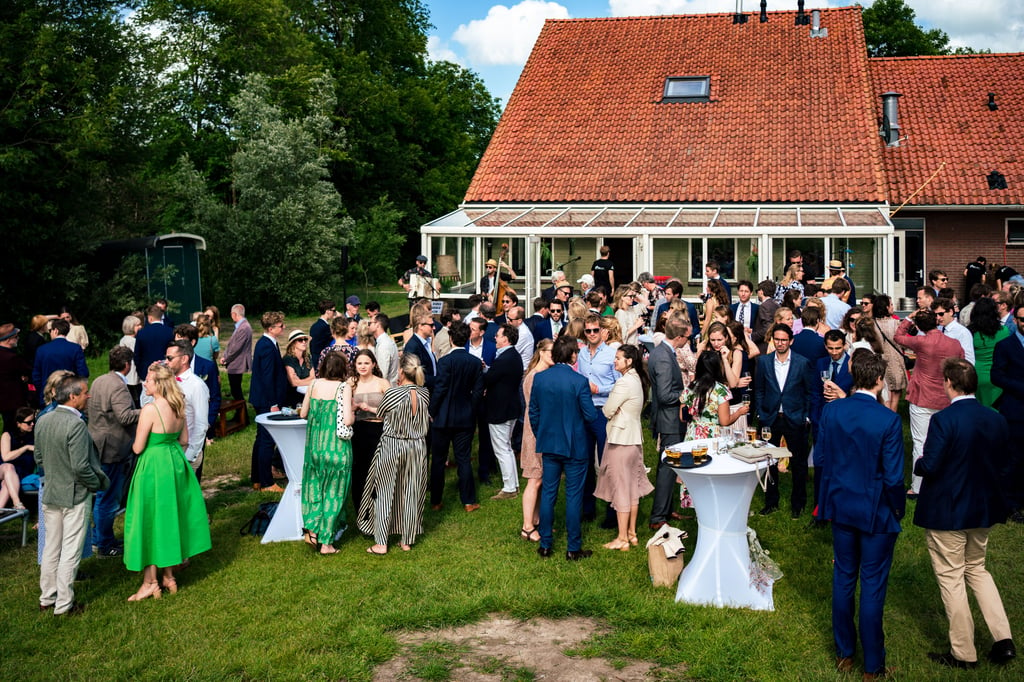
[675, 140]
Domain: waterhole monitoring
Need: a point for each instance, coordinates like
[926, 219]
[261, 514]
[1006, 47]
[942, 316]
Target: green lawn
[252, 611]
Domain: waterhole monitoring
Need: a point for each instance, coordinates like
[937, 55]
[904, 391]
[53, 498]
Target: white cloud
[438, 51]
[997, 25]
[507, 34]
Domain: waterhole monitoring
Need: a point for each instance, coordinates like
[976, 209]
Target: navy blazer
[490, 348]
[208, 372]
[320, 337]
[966, 469]
[151, 346]
[795, 400]
[691, 310]
[60, 354]
[269, 383]
[843, 379]
[862, 465]
[415, 347]
[749, 322]
[458, 389]
[562, 412]
[540, 327]
[808, 344]
[501, 383]
[1008, 374]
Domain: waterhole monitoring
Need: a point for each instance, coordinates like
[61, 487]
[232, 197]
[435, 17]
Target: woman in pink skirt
[622, 480]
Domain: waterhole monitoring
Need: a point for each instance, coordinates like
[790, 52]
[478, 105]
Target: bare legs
[10, 487]
[627, 530]
[150, 587]
[531, 508]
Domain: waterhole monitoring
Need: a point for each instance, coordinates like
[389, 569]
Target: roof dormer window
[687, 89]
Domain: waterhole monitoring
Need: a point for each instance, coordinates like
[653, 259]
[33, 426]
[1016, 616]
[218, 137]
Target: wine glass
[766, 433]
[824, 376]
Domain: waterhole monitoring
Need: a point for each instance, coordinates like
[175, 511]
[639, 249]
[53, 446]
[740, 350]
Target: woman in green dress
[327, 467]
[987, 331]
[165, 521]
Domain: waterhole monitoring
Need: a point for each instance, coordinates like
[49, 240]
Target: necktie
[835, 369]
[743, 309]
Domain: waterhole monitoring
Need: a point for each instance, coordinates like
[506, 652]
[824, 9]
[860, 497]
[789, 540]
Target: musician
[418, 281]
[489, 282]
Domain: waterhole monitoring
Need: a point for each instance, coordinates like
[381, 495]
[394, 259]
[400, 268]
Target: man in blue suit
[672, 291]
[267, 390]
[151, 341]
[837, 383]
[782, 392]
[862, 495]
[484, 350]
[539, 324]
[965, 471]
[745, 311]
[1008, 374]
[458, 390]
[419, 345]
[561, 414]
[59, 353]
[807, 343]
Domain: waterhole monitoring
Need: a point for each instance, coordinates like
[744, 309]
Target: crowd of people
[556, 392]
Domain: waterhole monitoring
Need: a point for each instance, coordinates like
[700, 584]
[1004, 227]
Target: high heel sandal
[621, 545]
[171, 585]
[146, 591]
[633, 539]
[529, 535]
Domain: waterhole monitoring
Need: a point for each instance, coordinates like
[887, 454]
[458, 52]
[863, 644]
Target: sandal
[621, 545]
[528, 535]
[171, 585]
[371, 550]
[633, 540]
[406, 548]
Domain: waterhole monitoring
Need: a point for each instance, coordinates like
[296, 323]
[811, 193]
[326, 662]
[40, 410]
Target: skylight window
[687, 89]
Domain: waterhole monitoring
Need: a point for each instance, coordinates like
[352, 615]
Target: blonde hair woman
[611, 332]
[627, 314]
[791, 281]
[165, 522]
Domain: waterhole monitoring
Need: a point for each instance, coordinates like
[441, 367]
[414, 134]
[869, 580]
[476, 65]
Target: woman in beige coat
[622, 480]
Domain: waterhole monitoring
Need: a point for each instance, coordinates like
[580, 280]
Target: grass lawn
[252, 611]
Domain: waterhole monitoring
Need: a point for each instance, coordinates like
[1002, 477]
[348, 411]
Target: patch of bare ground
[215, 484]
[502, 649]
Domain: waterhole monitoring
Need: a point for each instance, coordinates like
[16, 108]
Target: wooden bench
[225, 427]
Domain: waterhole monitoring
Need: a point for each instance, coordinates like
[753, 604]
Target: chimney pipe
[764, 11]
[890, 129]
[801, 18]
[739, 17]
[816, 30]
[992, 106]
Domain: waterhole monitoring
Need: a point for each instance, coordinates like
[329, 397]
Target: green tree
[890, 31]
[375, 245]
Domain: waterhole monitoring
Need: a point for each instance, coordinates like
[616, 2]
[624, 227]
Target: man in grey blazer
[112, 420]
[666, 387]
[237, 357]
[66, 451]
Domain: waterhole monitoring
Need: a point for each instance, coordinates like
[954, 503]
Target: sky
[494, 40]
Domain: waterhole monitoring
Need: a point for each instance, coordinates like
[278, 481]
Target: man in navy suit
[483, 349]
[836, 383]
[862, 495]
[267, 391]
[807, 343]
[674, 290]
[205, 370]
[711, 272]
[503, 406]
[419, 345]
[782, 393]
[458, 389]
[151, 341]
[1008, 374]
[561, 414]
[965, 470]
[59, 353]
[745, 311]
[539, 324]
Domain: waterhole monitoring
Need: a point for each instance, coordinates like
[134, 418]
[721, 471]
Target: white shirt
[387, 358]
[197, 411]
[525, 345]
[782, 372]
[746, 317]
[962, 334]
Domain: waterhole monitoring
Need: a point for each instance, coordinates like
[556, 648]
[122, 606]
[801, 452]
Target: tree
[375, 245]
[890, 31]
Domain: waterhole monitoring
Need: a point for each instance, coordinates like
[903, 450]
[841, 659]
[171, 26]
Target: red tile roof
[945, 115]
[791, 118]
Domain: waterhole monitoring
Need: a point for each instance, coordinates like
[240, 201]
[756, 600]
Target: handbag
[908, 362]
[344, 430]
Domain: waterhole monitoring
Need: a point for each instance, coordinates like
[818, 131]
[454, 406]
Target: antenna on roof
[764, 11]
[801, 18]
[739, 17]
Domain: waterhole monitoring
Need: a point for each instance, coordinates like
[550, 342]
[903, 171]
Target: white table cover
[290, 436]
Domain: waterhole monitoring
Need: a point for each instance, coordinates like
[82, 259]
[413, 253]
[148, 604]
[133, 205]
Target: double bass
[500, 285]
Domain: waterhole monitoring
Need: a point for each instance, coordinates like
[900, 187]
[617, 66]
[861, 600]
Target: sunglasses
[168, 358]
[29, 421]
[592, 331]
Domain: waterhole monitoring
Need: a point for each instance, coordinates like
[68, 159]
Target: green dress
[165, 521]
[326, 471]
[984, 347]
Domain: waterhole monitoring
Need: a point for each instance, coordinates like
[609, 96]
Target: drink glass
[766, 433]
[751, 434]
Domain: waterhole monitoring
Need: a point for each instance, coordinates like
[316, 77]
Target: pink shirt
[925, 388]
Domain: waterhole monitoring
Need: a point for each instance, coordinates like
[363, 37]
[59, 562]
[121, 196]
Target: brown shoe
[472, 507]
[502, 495]
[272, 489]
[844, 664]
[435, 507]
[45, 607]
[884, 675]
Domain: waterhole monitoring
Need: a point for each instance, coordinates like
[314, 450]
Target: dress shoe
[884, 675]
[656, 525]
[1002, 652]
[576, 556]
[471, 507]
[75, 610]
[1017, 516]
[948, 660]
[844, 664]
[796, 514]
[272, 489]
[676, 516]
[544, 552]
[502, 495]
[766, 510]
[43, 608]
[435, 507]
